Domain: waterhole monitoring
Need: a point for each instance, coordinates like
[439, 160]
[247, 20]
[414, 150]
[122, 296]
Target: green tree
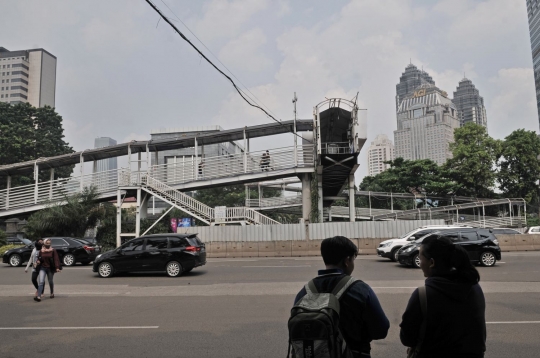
[28, 133]
[519, 166]
[3, 238]
[474, 159]
[71, 217]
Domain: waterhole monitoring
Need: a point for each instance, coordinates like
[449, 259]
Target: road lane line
[515, 322]
[281, 266]
[77, 328]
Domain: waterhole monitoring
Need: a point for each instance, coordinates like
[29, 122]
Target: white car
[389, 248]
[533, 230]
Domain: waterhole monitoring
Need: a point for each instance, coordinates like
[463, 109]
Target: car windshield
[419, 240]
[194, 241]
[84, 242]
[408, 234]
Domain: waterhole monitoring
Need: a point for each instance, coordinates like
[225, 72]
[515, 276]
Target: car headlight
[98, 256]
[496, 242]
[409, 249]
[387, 243]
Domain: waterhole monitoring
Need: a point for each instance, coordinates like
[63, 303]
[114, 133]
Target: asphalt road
[233, 308]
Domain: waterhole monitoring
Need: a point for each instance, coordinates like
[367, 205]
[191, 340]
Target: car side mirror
[411, 238]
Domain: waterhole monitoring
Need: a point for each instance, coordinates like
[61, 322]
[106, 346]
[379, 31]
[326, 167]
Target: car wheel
[487, 258]
[394, 254]
[68, 260]
[174, 269]
[15, 260]
[105, 269]
[416, 261]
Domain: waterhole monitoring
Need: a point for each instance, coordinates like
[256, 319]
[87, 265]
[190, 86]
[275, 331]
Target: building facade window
[21, 65]
[19, 80]
[19, 73]
[18, 95]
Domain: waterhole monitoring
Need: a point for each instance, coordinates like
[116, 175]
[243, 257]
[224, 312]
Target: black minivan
[172, 253]
[481, 245]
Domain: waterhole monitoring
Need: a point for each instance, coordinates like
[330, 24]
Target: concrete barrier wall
[366, 246]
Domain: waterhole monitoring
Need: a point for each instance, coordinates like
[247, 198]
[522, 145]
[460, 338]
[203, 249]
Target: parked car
[172, 253]
[533, 230]
[70, 251]
[481, 245]
[390, 248]
[17, 241]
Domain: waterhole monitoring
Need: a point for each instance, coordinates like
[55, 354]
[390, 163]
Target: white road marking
[74, 328]
[515, 322]
[280, 266]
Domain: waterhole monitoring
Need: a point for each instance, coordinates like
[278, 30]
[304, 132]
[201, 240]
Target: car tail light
[193, 249]
[88, 248]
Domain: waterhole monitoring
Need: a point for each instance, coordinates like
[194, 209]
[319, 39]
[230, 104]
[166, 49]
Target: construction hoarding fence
[297, 239]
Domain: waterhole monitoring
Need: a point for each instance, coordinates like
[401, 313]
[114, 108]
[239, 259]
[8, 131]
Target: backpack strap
[310, 287]
[342, 286]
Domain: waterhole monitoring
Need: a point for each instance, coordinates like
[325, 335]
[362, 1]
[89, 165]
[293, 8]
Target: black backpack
[314, 323]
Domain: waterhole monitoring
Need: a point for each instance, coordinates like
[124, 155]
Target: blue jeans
[45, 271]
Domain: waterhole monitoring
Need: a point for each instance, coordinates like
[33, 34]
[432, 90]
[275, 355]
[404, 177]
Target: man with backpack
[335, 315]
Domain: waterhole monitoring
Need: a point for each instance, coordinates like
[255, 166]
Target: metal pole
[391, 202]
[36, 181]
[294, 129]
[369, 197]
[196, 160]
[525, 211]
[510, 211]
[118, 218]
[138, 214]
[51, 179]
[260, 193]
[82, 171]
[352, 209]
[245, 151]
[457, 215]
[7, 191]
[484, 214]
[153, 205]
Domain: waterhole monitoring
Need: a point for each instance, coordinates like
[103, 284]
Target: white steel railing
[274, 202]
[56, 190]
[195, 168]
[203, 211]
[179, 198]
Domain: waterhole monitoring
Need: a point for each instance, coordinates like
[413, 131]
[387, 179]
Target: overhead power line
[254, 99]
[210, 62]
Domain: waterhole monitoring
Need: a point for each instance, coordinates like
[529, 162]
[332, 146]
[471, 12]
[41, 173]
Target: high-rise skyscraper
[409, 81]
[28, 76]
[104, 165]
[426, 120]
[381, 150]
[533, 11]
[470, 104]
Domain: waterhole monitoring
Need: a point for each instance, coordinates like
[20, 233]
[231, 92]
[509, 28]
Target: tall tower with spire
[409, 81]
[469, 103]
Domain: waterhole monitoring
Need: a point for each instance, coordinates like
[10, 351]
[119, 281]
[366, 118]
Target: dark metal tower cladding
[470, 104]
[409, 81]
[533, 11]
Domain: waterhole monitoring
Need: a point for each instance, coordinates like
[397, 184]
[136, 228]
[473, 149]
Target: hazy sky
[120, 76]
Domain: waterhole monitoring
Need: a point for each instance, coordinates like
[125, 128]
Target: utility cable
[212, 64]
[217, 58]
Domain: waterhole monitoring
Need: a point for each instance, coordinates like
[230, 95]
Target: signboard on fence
[220, 214]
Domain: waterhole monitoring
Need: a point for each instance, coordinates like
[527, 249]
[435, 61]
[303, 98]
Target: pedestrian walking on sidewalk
[446, 317]
[49, 264]
[32, 262]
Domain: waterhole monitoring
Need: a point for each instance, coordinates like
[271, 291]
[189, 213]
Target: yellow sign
[419, 93]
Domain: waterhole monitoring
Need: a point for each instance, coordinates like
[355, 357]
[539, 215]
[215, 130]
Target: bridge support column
[118, 218]
[138, 214]
[352, 209]
[320, 192]
[51, 179]
[306, 197]
[7, 191]
[36, 182]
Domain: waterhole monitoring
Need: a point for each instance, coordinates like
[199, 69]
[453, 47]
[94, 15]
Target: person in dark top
[362, 318]
[48, 263]
[456, 324]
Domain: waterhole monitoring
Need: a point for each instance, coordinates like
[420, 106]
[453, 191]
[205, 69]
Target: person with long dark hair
[49, 264]
[454, 324]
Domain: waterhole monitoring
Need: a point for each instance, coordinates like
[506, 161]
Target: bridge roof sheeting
[182, 141]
